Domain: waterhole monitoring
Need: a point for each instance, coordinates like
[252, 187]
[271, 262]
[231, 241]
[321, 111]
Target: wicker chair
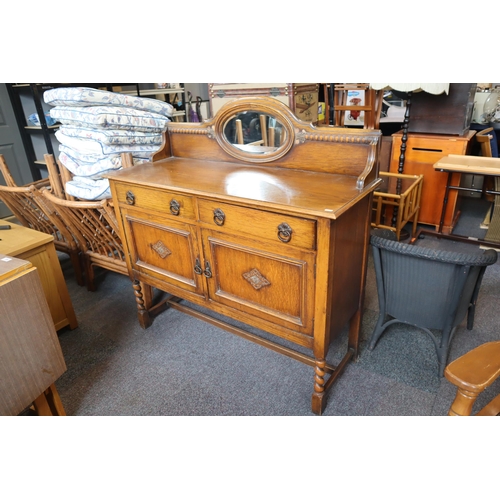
[93, 226]
[427, 288]
[22, 202]
[472, 373]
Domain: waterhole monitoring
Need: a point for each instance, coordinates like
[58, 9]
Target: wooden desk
[31, 359]
[38, 248]
[277, 241]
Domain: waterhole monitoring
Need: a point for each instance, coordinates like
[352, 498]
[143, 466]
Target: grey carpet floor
[185, 367]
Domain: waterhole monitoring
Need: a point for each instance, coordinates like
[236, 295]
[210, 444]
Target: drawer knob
[175, 207]
[130, 197]
[284, 232]
[219, 216]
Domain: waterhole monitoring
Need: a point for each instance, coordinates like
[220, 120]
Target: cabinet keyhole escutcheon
[285, 232]
[130, 197]
[175, 207]
[219, 216]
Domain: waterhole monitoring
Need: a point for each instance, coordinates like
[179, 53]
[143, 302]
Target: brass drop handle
[219, 217]
[130, 197]
[285, 232]
[208, 270]
[175, 207]
[197, 266]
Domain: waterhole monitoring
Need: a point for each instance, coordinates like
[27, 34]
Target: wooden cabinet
[31, 358]
[38, 248]
[276, 239]
[422, 151]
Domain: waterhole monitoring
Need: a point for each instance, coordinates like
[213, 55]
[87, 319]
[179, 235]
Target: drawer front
[161, 201]
[282, 229]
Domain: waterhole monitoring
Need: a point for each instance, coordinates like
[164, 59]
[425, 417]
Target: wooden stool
[472, 373]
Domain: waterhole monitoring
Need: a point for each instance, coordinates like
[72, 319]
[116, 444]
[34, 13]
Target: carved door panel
[166, 250]
[254, 278]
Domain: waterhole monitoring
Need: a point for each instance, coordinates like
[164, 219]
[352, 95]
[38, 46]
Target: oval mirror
[255, 133]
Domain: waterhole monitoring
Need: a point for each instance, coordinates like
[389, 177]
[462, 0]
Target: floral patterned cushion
[110, 117]
[93, 166]
[112, 136]
[91, 146]
[88, 189]
[84, 96]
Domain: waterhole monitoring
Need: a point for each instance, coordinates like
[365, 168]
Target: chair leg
[89, 274]
[443, 349]
[76, 261]
[470, 316]
[377, 331]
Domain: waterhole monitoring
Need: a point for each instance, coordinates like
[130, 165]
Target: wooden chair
[472, 373]
[94, 227]
[22, 202]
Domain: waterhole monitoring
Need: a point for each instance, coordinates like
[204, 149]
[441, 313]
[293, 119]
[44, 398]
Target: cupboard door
[166, 250]
[254, 278]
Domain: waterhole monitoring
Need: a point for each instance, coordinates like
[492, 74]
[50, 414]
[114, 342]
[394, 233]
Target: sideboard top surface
[312, 193]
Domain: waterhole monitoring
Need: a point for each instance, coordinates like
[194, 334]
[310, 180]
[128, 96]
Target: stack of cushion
[96, 127]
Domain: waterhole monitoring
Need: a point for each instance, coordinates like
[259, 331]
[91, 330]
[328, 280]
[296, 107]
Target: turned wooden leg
[319, 396]
[463, 403]
[142, 312]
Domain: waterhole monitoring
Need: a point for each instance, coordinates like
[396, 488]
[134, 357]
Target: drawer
[162, 201]
[283, 229]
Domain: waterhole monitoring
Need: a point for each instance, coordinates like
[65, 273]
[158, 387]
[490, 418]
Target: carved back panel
[295, 144]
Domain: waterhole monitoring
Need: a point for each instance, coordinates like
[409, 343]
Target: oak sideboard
[271, 230]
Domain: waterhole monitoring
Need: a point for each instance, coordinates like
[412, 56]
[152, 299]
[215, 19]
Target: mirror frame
[273, 107]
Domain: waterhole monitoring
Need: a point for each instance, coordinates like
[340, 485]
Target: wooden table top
[468, 164]
[10, 266]
[19, 239]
